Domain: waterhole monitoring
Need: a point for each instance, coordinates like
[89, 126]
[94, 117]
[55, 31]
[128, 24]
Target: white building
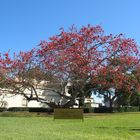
[9, 100]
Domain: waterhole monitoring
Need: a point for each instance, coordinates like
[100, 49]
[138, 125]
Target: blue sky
[23, 23]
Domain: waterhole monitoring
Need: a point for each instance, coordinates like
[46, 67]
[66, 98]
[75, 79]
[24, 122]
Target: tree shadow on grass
[135, 129]
[128, 128]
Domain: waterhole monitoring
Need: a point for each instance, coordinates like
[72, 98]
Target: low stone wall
[68, 113]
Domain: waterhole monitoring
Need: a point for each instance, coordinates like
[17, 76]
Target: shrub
[89, 110]
[87, 105]
[127, 109]
[2, 109]
[86, 110]
[30, 109]
[103, 110]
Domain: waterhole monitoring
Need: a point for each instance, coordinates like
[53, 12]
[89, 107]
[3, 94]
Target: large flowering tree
[76, 59]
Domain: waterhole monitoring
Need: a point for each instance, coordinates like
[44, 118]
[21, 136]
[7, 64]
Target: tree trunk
[110, 103]
[81, 102]
[139, 102]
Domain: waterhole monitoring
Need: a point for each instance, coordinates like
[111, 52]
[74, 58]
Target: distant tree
[135, 98]
[116, 81]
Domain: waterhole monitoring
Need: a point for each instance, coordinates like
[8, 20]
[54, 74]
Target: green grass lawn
[125, 126]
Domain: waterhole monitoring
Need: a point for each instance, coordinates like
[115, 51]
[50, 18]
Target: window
[24, 102]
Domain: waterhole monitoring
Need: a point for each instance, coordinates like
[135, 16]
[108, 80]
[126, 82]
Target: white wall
[20, 101]
[13, 101]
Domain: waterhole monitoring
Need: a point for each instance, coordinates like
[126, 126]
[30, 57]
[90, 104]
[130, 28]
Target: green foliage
[36, 109]
[111, 110]
[89, 110]
[27, 109]
[2, 109]
[103, 110]
[127, 109]
[18, 109]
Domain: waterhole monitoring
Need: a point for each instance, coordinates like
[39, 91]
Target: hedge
[89, 110]
[86, 110]
[127, 109]
[111, 110]
[29, 109]
[18, 109]
[103, 110]
[36, 109]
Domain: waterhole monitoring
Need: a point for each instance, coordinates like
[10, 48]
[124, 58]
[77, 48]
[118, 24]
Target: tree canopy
[87, 58]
